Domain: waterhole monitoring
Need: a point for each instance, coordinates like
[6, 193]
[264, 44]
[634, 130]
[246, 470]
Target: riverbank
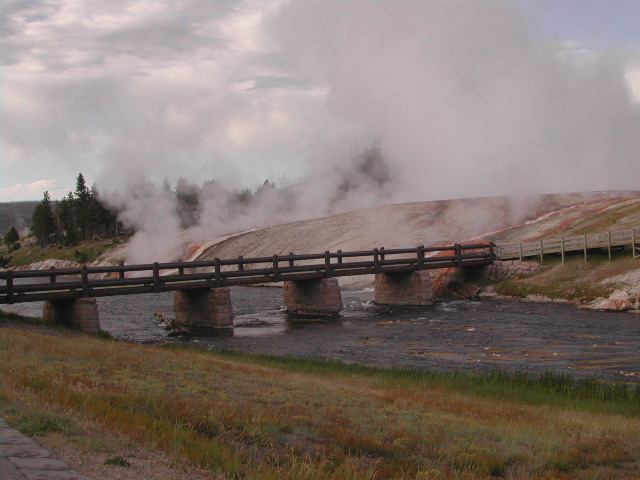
[239, 416]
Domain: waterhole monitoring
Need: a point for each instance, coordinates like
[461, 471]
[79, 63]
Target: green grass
[117, 462]
[263, 417]
[575, 279]
[548, 388]
[16, 318]
[84, 252]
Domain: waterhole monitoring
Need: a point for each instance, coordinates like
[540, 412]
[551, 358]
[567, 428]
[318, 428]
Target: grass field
[84, 251]
[251, 417]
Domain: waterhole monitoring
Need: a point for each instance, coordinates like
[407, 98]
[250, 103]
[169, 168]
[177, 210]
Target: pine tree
[12, 238]
[67, 219]
[43, 224]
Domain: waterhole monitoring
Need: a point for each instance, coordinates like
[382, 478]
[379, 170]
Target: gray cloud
[464, 101]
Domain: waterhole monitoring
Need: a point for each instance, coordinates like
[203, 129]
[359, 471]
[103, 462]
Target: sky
[465, 97]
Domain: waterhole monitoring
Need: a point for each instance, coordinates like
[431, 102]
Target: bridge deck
[38, 285]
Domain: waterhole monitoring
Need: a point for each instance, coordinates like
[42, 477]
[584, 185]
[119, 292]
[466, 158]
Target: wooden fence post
[276, 268]
[458, 248]
[291, 261]
[9, 286]
[420, 253]
[52, 278]
[216, 264]
[339, 256]
[520, 250]
[541, 252]
[562, 249]
[376, 261]
[327, 264]
[240, 263]
[585, 247]
[156, 277]
[609, 244]
[85, 281]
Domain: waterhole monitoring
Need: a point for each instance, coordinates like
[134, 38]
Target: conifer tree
[12, 238]
[43, 224]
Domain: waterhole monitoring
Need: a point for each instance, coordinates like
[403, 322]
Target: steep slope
[422, 223]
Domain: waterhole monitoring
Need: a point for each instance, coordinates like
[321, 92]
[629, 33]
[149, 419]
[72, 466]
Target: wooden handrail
[232, 271]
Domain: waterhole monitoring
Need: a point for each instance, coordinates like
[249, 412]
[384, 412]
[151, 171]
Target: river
[451, 335]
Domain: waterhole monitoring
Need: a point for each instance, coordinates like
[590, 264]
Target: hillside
[15, 213]
[426, 223]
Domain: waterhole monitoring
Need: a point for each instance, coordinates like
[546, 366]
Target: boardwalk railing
[38, 285]
[584, 243]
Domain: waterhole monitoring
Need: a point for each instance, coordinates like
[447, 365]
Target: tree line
[78, 216]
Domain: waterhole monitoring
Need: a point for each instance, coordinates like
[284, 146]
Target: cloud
[31, 190]
[464, 100]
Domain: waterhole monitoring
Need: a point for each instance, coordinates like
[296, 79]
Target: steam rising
[463, 101]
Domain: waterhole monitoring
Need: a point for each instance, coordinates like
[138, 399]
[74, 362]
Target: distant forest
[16, 214]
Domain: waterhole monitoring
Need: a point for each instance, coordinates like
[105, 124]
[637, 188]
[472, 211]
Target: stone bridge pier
[405, 289]
[320, 297]
[204, 312]
[80, 313]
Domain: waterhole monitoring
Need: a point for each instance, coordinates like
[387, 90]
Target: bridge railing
[69, 283]
[575, 243]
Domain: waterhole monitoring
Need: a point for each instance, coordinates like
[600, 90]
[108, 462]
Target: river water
[451, 335]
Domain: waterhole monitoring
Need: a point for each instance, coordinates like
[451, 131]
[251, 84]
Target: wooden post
[609, 244]
[541, 252]
[339, 256]
[458, 248]
[121, 272]
[276, 270]
[52, 278]
[633, 243]
[216, 263]
[492, 251]
[9, 286]
[382, 254]
[420, 253]
[85, 281]
[562, 249]
[520, 250]
[376, 261]
[291, 261]
[180, 268]
[156, 277]
[240, 263]
[327, 264]
[585, 247]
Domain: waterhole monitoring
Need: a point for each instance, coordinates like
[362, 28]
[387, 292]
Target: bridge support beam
[406, 288]
[308, 298]
[80, 313]
[204, 312]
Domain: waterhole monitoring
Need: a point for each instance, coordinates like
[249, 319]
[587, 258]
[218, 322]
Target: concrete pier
[81, 313]
[204, 312]
[313, 297]
[406, 288]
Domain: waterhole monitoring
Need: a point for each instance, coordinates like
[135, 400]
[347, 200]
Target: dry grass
[262, 418]
[85, 251]
[575, 279]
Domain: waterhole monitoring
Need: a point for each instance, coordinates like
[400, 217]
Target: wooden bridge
[577, 243]
[310, 285]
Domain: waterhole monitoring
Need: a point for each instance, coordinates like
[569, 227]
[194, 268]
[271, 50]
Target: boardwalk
[576, 243]
[67, 284]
